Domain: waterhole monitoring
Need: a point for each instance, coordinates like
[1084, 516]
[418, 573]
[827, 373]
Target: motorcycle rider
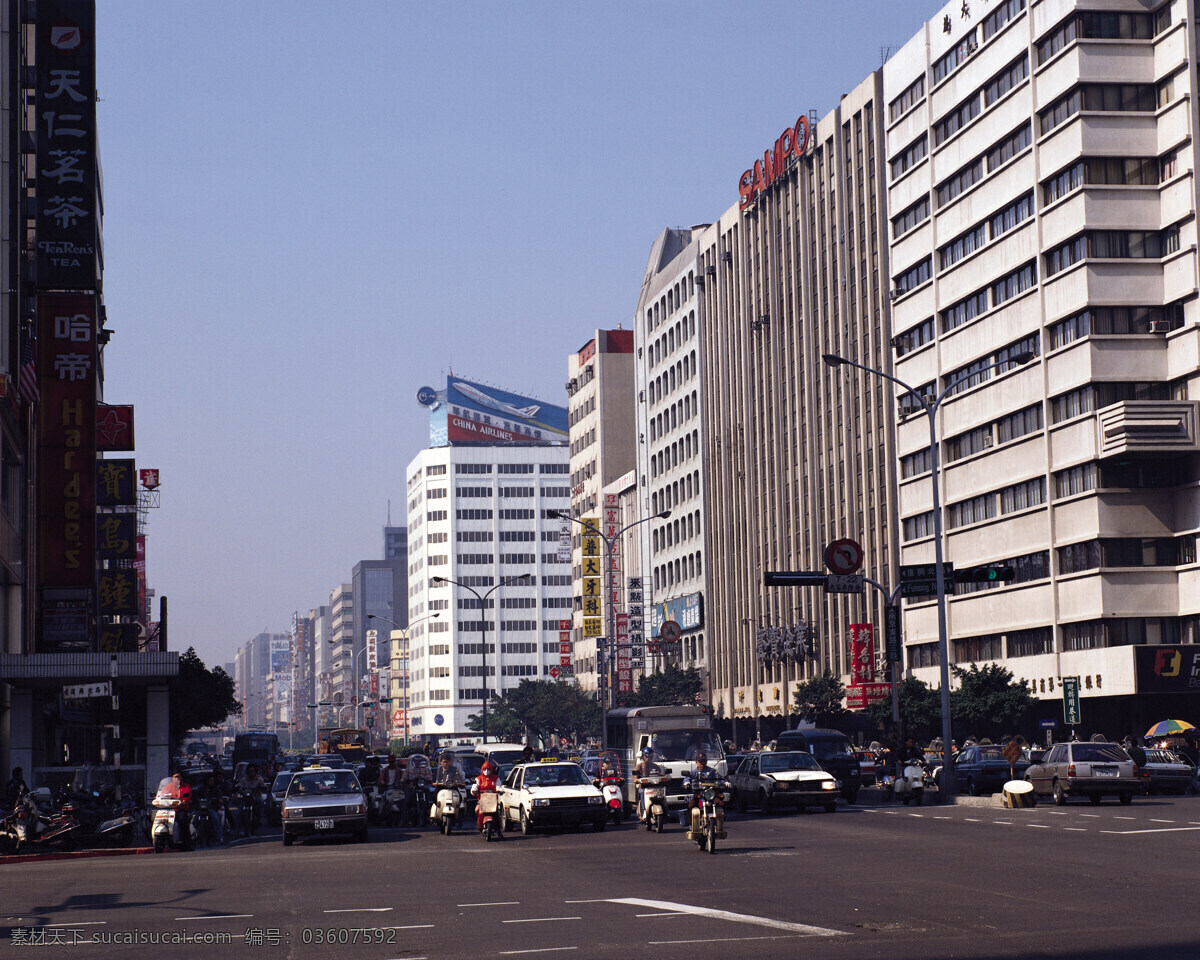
[449, 773]
[15, 788]
[213, 797]
[253, 786]
[485, 782]
[645, 767]
[183, 813]
[700, 773]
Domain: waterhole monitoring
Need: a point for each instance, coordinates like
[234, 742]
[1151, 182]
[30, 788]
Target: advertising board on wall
[477, 414]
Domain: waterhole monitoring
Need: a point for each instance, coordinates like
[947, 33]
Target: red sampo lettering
[793, 142]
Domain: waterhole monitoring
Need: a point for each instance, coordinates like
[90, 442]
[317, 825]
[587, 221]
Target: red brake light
[1071, 770]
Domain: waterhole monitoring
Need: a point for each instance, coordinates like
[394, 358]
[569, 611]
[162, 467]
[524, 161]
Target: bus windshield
[683, 745]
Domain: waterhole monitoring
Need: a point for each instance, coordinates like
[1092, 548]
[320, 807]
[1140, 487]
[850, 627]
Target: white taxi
[551, 793]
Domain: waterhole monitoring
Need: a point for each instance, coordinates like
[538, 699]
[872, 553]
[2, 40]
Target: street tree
[920, 712]
[821, 700]
[669, 687]
[199, 697]
[988, 702]
[541, 708]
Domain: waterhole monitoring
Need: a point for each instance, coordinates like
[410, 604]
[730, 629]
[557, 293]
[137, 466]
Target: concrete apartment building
[795, 454]
[668, 323]
[482, 515]
[1041, 195]
[600, 412]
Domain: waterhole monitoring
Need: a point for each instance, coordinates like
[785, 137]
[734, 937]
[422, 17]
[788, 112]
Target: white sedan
[544, 794]
[791, 778]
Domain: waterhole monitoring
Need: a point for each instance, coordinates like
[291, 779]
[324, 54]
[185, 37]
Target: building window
[951, 61]
[1010, 147]
[967, 177]
[913, 277]
[995, 20]
[1011, 216]
[999, 85]
[1031, 643]
[916, 337]
[916, 214]
[909, 156]
[1022, 496]
[912, 95]
[1016, 283]
[954, 121]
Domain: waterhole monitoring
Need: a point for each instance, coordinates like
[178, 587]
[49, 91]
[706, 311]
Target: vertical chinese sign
[116, 541]
[66, 468]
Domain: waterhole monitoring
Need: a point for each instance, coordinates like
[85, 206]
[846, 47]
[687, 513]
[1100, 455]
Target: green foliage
[541, 708]
[988, 702]
[819, 700]
[920, 711]
[199, 697]
[669, 687]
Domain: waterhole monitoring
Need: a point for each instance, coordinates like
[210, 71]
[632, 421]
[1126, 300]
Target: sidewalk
[879, 797]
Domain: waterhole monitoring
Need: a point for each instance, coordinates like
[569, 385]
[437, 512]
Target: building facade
[795, 454]
[483, 515]
[1042, 200]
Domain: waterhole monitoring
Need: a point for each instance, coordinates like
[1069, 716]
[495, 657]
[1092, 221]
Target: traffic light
[992, 573]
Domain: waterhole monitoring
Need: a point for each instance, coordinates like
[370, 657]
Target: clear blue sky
[313, 208]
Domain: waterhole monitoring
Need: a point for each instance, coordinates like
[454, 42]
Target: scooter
[421, 802]
[707, 812]
[493, 821]
[104, 827]
[394, 804]
[444, 811]
[653, 807]
[26, 826]
[910, 785]
[166, 830]
[610, 787]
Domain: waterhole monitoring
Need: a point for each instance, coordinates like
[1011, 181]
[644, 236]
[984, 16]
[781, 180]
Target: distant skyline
[312, 210]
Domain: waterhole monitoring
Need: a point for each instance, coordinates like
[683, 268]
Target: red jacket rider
[486, 781]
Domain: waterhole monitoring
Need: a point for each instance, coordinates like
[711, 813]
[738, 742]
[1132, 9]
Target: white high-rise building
[483, 515]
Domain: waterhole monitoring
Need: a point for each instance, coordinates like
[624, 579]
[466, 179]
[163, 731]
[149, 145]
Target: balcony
[1148, 426]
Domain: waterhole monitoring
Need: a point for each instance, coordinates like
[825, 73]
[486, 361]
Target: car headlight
[829, 785]
[595, 799]
[288, 814]
[356, 808]
[542, 802]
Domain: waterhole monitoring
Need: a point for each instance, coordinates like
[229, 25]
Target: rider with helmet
[700, 773]
[645, 767]
[486, 782]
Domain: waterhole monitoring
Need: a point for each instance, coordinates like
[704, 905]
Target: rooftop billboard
[471, 413]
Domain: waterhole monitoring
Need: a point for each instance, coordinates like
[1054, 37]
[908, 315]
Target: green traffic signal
[992, 573]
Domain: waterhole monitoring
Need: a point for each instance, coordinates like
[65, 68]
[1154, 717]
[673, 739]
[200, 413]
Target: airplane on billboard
[526, 413]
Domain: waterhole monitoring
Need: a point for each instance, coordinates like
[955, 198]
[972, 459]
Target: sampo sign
[793, 142]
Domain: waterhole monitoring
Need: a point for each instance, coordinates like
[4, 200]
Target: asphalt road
[888, 882]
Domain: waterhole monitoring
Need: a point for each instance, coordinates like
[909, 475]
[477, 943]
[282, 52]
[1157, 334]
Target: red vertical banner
[67, 454]
[624, 671]
[862, 653]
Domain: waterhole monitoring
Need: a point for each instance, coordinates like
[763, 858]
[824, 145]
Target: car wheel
[288, 839]
[1125, 798]
[1060, 796]
[1094, 799]
[362, 835]
[526, 827]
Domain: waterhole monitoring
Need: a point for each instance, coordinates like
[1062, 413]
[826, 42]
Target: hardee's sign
[793, 142]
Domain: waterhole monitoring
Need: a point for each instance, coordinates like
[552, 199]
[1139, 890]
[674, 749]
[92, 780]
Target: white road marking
[541, 920]
[970, 820]
[1077, 829]
[223, 916]
[656, 943]
[802, 928]
[675, 914]
[494, 903]
[81, 923]
[942, 818]
[360, 910]
[919, 816]
[1003, 823]
[1125, 833]
[1039, 826]
[511, 953]
[1094, 816]
[1152, 820]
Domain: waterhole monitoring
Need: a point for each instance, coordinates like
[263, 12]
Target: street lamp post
[404, 631]
[947, 786]
[504, 581]
[602, 674]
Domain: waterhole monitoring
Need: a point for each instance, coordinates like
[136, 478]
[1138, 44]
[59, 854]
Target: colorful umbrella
[1165, 728]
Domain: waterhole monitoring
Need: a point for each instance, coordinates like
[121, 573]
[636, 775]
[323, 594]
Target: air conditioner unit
[727, 257]
[1160, 326]
[987, 441]
[893, 293]
[711, 270]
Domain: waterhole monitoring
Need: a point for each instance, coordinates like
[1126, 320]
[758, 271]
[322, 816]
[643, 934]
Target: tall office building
[668, 323]
[795, 454]
[600, 388]
[483, 501]
[1042, 199]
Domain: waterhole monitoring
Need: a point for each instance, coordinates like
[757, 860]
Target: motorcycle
[610, 787]
[707, 811]
[27, 826]
[493, 818]
[910, 785]
[421, 802]
[100, 826]
[393, 805]
[444, 811]
[166, 829]
[206, 827]
[653, 808]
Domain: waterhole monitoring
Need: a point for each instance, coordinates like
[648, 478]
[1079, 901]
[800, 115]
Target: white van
[501, 754]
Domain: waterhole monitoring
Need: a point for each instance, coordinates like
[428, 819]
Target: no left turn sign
[844, 556]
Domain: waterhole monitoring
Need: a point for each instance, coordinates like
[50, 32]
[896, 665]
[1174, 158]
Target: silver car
[1090, 769]
[321, 802]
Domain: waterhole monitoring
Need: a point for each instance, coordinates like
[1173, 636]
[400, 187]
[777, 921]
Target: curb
[73, 855]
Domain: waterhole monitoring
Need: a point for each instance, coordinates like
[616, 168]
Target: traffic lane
[789, 869]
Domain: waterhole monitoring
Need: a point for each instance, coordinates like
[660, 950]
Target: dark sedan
[982, 769]
[1166, 772]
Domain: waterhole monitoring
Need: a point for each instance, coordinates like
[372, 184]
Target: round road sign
[844, 556]
[670, 631]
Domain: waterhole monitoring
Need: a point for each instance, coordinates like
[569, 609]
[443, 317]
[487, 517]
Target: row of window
[1095, 396]
[1103, 26]
[523, 492]
[1127, 552]
[488, 559]
[1113, 244]
[1112, 97]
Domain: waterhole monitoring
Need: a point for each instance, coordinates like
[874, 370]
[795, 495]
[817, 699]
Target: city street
[882, 881]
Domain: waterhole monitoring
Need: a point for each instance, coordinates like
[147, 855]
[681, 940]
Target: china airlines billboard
[478, 414]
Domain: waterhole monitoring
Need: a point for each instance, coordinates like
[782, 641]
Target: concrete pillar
[20, 728]
[158, 735]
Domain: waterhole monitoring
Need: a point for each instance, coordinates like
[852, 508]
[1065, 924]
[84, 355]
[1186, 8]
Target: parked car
[322, 802]
[545, 794]
[832, 750]
[1166, 772]
[869, 765]
[1094, 770]
[983, 768]
[792, 779]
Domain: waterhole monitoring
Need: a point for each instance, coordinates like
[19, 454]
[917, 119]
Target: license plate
[323, 825]
[1104, 772]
